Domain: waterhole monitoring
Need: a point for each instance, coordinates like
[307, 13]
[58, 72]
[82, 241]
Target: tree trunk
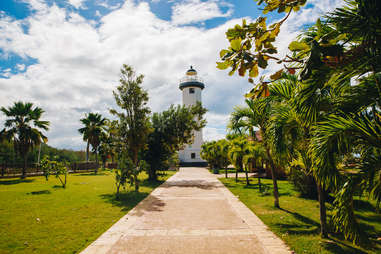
[247, 178]
[152, 176]
[323, 214]
[136, 182]
[273, 175]
[236, 175]
[259, 182]
[87, 151]
[96, 162]
[23, 175]
[117, 191]
[226, 172]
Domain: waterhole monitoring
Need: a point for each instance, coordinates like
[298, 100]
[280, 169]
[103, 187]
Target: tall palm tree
[290, 130]
[94, 127]
[22, 126]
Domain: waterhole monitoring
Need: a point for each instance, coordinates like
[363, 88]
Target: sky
[65, 55]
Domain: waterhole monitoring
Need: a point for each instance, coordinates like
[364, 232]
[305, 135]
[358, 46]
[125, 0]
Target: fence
[15, 169]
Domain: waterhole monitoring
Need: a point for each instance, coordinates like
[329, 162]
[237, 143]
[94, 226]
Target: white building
[191, 86]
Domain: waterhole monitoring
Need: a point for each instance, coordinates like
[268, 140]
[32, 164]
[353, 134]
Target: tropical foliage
[23, 128]
[93, 132]
[216, 154]
[325, 121]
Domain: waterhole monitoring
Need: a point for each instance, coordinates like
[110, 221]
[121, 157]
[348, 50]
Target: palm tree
[22, 127]
[290, 130]
[92, 132]
[257, 114]
[236, 152]
[223, 147]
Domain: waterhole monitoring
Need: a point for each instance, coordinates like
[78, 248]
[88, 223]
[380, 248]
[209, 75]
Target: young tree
[172, 129]
[134, 118]
[22, 127]
[54, 168]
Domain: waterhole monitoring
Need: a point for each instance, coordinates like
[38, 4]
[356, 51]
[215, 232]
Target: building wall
[186, 154]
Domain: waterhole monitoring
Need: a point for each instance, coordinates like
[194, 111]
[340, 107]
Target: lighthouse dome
[191, 72]
[191, 80]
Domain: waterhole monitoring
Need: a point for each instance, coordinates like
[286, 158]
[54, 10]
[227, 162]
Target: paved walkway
[192, 212]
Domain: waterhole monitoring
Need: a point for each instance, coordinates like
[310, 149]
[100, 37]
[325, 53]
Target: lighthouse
[191, 86]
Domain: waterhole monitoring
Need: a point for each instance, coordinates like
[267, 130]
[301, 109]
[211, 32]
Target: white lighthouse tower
[191, 86]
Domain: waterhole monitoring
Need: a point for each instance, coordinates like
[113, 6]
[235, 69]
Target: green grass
[222, 171]
[37, 216]
[297, 223]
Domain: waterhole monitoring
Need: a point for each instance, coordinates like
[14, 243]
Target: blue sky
[65, 55]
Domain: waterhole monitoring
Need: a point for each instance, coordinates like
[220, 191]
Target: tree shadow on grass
[363, 205]
[268, 187]
[91, 174]
[303, 226]
[334, 246]
[39, 192]
[15, 181]
[129, 200]
[150, 183]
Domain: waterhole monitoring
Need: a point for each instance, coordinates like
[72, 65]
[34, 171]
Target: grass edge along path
[297, 222]
[39, 216]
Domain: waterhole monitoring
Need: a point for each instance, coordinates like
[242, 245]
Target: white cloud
[78, 64]
[105, 4]
[77, 3]
[193, 11]
[20, 67]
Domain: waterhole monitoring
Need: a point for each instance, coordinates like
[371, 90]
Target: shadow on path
[201, 184]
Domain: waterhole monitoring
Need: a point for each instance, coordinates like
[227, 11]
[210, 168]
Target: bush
[304, 183]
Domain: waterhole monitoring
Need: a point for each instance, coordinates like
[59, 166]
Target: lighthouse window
[193, 155]
[191, 90]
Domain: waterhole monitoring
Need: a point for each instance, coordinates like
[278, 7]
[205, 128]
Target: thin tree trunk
[226, 172]
[273, 175]
[259, 182]
[323, 214]
[136, 182]
[96, 161]
[247, 177]
[117, 191]
[87, 151]
[236, 175]
[23, 175]
[152, 176]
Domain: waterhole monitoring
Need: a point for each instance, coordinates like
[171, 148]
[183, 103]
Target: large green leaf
[236, 44]
[298, 46]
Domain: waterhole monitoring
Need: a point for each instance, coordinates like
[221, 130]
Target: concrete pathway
[192, 212]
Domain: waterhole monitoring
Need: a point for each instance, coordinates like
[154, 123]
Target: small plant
[56, 168]
[123, 174]
[265, 190]
[128, 173]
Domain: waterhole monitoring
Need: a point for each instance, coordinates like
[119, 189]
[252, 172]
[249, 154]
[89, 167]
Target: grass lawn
[222, 171]
[37, 216]
[297, 223]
